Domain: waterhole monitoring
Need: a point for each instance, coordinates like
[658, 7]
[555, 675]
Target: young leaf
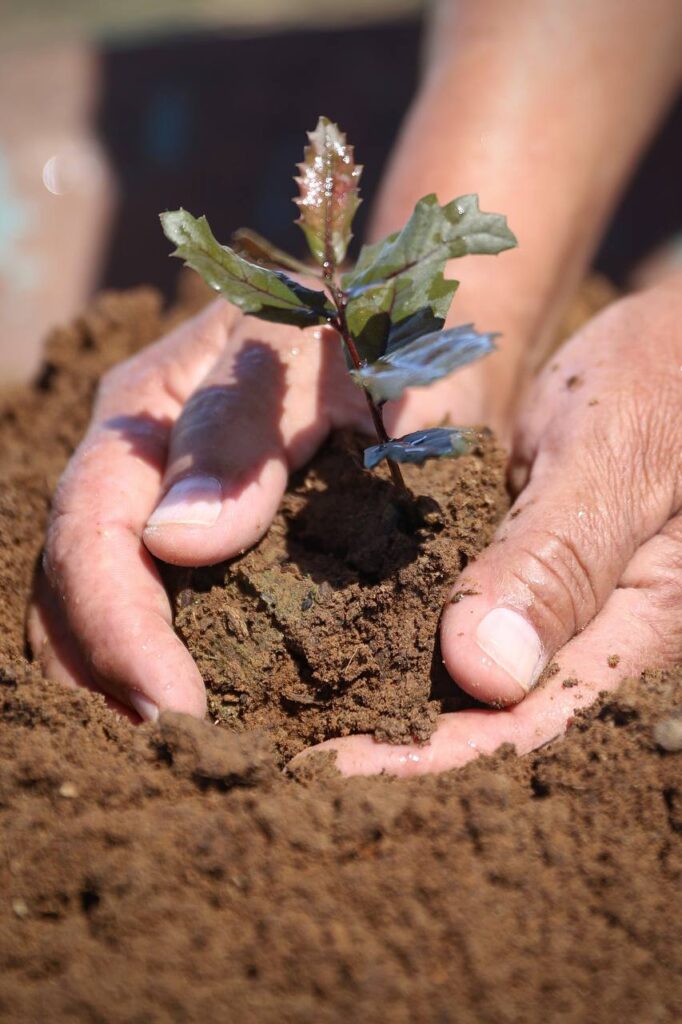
[401, 275]
[436, 443]
[328, 184]
[423, 361]
[267, 294]
[376, 312]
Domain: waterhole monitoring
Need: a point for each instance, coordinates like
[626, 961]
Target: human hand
[585, 572]
[187, 457]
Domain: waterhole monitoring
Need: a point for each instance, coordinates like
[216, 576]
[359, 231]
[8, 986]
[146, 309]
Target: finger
[55, 650]
[599, 487]
[104, 583]
[639, 627]
[258, 414]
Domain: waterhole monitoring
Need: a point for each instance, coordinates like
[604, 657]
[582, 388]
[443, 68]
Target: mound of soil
[329, 626]
[172, 872]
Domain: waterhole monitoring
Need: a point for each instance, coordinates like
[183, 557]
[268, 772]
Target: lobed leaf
[396, 278]
[436, 443]
[422, 362]
[328, 185]
[268, 294]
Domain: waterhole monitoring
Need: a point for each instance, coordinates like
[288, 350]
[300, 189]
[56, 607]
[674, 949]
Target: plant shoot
[388, 310]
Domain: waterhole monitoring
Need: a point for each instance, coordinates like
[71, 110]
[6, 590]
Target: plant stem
[375, 411]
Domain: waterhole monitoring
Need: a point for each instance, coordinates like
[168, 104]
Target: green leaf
[423, 361]
[403, 274]
[436, 443]
[375, 312]
[328, 185]
[267, 294]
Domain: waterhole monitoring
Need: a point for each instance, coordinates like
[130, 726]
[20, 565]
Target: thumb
[555, 560]
[602, 484]
[259, 413]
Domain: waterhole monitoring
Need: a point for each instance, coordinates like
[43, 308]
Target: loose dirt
[173, 873]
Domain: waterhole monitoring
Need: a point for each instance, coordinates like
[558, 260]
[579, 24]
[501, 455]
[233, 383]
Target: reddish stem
[375, 412]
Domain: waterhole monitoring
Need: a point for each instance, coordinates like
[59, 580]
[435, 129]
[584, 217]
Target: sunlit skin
[591, 566]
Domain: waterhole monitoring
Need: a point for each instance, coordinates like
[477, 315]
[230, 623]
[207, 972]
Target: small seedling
[388, 310]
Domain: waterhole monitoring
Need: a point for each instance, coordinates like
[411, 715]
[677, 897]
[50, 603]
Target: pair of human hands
[188, 454]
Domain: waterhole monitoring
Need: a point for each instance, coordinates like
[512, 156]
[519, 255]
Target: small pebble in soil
[668, 732]
[20, 908]
[68, 790]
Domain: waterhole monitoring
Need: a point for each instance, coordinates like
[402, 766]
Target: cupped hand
[186, 459]
[582, 584]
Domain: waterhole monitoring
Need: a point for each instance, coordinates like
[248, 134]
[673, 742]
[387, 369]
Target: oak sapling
[388, 310]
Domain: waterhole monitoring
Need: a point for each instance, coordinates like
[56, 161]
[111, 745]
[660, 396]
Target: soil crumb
[173, 873]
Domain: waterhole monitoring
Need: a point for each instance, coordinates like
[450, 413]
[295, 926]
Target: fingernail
[512, 643]
[192, 501]
[146, 708]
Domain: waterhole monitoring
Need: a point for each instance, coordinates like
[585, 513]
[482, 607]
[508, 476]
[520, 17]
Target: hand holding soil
[583, 568]
[193, 440]
[581, 585]
[270, 394]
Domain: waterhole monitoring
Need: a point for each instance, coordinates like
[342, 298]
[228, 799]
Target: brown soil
[172, 873]
[329, 626]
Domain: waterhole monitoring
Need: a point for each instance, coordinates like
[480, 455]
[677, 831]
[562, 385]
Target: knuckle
[59, 545]
[115, 378]
[206, 414]
[641, 444]
[143, 375]
[665, 577]
[559, 583]
[654, 579]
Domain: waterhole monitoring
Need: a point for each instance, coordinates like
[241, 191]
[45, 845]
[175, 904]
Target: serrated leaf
[433, 233]
[403, 274]
[328, 185]
[423, 361]
[436, 443]
[267, 294]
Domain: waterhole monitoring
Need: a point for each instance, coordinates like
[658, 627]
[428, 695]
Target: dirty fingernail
[193, 501]
[146, 708]
[512, 643]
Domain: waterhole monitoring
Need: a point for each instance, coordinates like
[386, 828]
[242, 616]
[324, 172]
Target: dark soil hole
[90, 899]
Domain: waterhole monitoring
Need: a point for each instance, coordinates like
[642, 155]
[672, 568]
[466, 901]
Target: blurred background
[111, 112]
